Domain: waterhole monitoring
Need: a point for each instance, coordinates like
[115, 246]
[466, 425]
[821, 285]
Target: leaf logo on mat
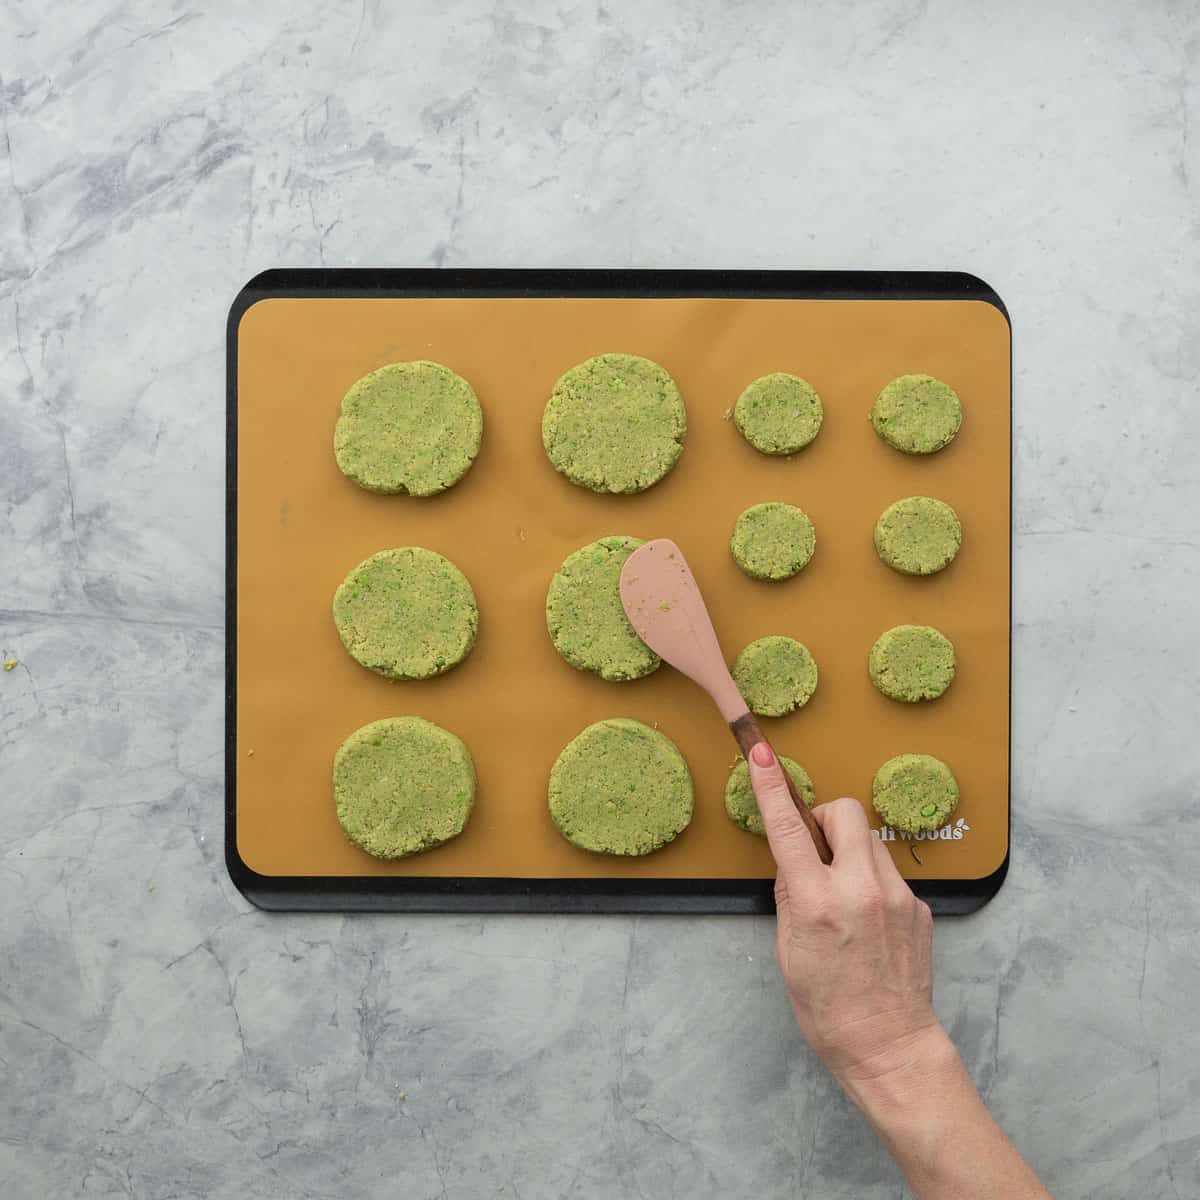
[947, 833]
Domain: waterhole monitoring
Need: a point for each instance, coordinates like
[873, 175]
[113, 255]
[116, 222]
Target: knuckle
[788, 828]
[774, 791]
[824, 916]
[792, 827]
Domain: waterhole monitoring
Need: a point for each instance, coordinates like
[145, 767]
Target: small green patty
[914, 793]
[620, 787]
[586, 619]
[614, 423]
[911, 663]
[918, 535]
[917, 414]
[402, 785]
[407, 613]
[410, 427]
[740, 801]
[773, 540]
[775, 675]
[779, 413]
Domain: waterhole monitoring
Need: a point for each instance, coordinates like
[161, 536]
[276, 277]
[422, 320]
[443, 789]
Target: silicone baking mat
[296, 526]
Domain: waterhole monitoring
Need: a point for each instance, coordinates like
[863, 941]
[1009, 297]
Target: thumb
[791, 843]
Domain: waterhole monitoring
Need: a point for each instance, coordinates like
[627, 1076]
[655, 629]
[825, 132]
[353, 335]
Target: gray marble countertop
[158, 1036]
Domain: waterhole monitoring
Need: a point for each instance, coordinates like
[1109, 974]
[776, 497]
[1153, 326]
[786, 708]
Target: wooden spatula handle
[748, 734]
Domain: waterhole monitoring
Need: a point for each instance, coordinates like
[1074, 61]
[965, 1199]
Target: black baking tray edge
[368, 893]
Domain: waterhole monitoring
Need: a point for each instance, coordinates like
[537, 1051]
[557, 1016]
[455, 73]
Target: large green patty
[407, 613]
[620, 787]
[614, 423]
[402, 785]
[584, 615]
[410, 427]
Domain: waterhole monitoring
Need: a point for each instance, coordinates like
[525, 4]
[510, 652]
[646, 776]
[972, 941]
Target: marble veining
[159, 1037]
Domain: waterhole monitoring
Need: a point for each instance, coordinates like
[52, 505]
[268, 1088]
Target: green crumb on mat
[150, 888]
[664, 606]
[10, 664]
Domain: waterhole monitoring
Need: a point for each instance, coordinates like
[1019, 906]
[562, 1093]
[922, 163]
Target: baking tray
[297, 339]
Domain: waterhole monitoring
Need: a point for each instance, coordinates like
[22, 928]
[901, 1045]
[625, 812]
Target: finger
[791, 843]
[845, 826]
[886, 872]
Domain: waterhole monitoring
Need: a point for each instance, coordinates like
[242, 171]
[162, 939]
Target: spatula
[664, 605]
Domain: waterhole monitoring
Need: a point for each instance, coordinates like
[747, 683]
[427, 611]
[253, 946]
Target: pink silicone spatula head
[663, 603]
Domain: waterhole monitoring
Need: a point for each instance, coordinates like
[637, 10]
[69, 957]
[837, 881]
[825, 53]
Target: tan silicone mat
[301, 526]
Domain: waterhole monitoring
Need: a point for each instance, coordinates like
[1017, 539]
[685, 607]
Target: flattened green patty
[779, 413]
[775, 675]
[773, 540]
[406, 613]
[741, 803]
[914, 793]
[911, 663]
[614, 423]
[402, 785]
[620, 788]
[917, 414]
[410, 427]
[918, 535]
[587, 623]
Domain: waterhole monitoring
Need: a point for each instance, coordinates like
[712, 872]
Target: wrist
[902, 1077]
[921, 1099]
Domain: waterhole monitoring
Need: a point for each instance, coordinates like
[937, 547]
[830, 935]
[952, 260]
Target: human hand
[855, 948]
[854, 944]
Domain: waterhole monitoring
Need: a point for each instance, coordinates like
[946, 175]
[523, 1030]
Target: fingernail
[762, 755]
